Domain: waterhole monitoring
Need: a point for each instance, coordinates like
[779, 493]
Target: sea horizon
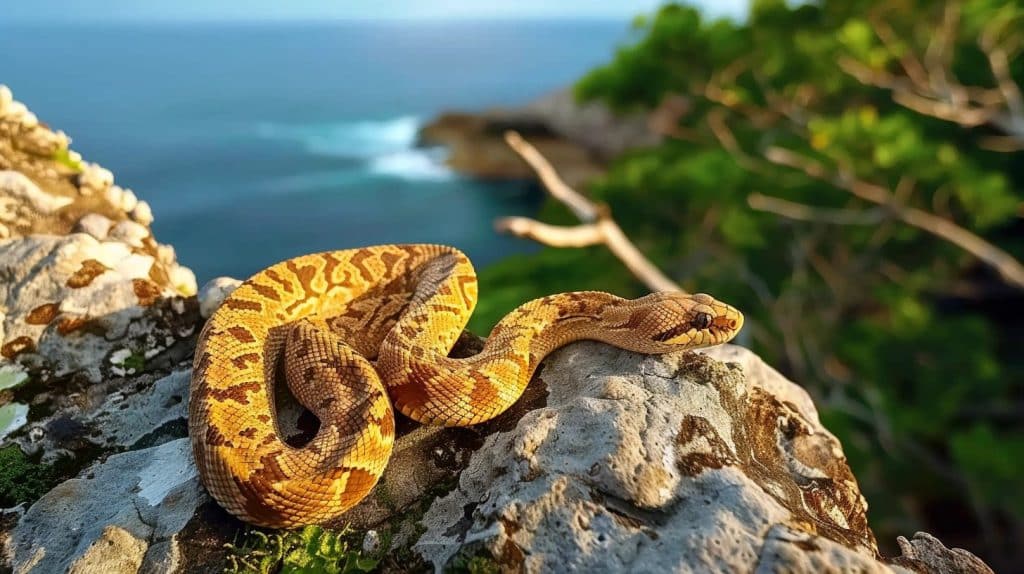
[257, 141]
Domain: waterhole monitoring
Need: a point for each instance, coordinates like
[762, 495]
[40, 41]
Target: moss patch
[22, 480]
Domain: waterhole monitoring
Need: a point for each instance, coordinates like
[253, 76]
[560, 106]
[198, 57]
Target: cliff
[577, 138]
[611, 461]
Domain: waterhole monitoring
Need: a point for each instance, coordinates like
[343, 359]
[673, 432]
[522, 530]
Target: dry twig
[598, 226]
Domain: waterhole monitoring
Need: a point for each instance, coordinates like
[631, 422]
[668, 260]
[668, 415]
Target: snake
[361, 333]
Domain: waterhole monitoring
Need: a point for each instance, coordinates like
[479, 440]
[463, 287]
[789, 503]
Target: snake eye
[702, 321]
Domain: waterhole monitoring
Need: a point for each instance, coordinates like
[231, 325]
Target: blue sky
[105, 10]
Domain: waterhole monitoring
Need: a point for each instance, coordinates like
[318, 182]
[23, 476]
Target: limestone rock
[70, 302]
[94, 224]
[926, 553]
[21, 199]
[676, 463]
[142, 213]
[125, 414]
[576, 138]
[214, 293]
[112, 517]
[91, 306]
[610, 462]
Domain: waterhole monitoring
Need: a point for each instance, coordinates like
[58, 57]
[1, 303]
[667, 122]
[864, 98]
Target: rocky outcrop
[611, 461]
[88, 295]
[678, 463]
[121, 515]
[578, 138]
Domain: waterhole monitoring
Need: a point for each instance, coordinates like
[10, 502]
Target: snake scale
[357, 334]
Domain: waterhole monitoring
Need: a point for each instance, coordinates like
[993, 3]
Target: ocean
[257, 142]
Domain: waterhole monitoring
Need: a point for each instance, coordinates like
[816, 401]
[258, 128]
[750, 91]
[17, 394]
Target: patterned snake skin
[355, 332]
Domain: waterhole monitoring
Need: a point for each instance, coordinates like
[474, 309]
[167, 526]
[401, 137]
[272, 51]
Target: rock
[28, 120]
[119, 414]
[926, 553]
[6, 98]
[578, 139]
[592, 124]
[71, 301]
[214, 293]
[94, 224]
[183, 280]
[673, 463]
[118, 514]
[476, 148]
[21, 198]
[46, 189]
[130, 232]
[97, 179]
[13, 416]
[142, 213]
[128, 201]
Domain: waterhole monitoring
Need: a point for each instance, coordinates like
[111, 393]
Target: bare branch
[930, 87]
[553, 235]
[999, 62]
[582, 207]
[598, 225]
[802, 212]
[1009, 268]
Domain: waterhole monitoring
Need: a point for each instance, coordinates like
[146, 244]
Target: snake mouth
[727, 325]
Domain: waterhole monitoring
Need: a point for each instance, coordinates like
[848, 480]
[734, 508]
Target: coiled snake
[349, 330]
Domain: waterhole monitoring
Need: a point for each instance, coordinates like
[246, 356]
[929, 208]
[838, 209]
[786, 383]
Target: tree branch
[1005, 264]
[930, 87]
[801, 212]
[598, 225]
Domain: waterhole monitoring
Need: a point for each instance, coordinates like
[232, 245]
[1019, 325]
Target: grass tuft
[311, 549]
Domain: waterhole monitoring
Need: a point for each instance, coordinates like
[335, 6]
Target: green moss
[311, 549]
[63, 157]
[136, 361]
[22, 480]
[479, 564]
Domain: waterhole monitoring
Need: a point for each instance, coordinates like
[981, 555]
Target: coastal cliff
[578, 138]
[611, 460]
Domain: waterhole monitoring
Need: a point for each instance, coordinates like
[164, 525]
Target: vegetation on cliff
[846, 173]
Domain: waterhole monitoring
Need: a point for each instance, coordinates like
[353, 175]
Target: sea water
[258, 142]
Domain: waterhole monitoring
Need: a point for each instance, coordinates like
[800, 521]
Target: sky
[41, 11]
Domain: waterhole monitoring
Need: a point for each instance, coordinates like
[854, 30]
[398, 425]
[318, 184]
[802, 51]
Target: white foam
[413, 164]
[387, 146]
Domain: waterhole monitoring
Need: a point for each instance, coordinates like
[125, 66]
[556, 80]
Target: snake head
[662, 322]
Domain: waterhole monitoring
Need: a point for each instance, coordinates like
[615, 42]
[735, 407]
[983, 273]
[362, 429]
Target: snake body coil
[318, 321]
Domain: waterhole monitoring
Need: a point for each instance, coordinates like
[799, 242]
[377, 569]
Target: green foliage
[890, 327]
[307, 551]
[991, 462]
[22, 480]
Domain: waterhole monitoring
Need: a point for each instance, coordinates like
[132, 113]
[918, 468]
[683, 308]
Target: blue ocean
[258, 142]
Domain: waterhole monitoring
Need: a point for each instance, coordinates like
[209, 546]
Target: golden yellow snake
[319, 320]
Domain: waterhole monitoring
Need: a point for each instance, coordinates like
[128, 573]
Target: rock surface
[88, 297]
[677, 463]
[116, 517]
[576, 138]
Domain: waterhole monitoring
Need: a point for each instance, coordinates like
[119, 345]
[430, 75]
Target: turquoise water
[254, 143]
